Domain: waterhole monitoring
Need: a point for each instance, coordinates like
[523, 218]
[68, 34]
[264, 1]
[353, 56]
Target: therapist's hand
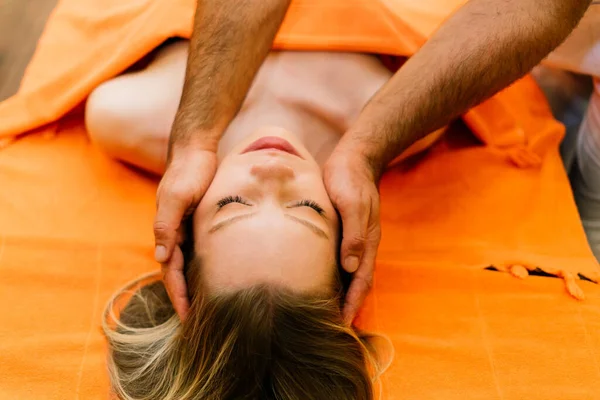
[188, 176]
[352, 187]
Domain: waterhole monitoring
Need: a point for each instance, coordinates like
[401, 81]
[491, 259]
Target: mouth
[272, 143]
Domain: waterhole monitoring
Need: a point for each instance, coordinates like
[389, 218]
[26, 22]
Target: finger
[355, 220]
[363, 278]
[367, 262]
[357, 292]
[181, 234]
[171, 208]
[175, 284]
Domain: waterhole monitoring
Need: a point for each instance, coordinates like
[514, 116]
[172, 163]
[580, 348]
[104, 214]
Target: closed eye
[310, 203]
[231, 199]
[302, 203]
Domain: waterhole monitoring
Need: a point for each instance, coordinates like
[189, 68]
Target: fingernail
[351, 264]
[160, 254]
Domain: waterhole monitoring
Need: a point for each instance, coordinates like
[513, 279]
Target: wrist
[193, 142]
[188, 144]
[188, 137]
[366, 150]
[360, 154]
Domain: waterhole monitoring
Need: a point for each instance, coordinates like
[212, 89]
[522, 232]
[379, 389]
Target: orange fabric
[74, 225]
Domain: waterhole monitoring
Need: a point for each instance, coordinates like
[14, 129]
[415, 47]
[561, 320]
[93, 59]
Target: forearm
[482, 48]
[230, 40]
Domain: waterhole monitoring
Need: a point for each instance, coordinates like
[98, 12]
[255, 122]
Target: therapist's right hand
[186, 179]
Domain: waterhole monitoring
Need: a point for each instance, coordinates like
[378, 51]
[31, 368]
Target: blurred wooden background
[21, 24]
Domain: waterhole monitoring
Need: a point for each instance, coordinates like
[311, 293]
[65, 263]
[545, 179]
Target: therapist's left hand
[352, 187]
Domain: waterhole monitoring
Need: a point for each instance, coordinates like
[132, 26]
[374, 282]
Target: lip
[272, 143]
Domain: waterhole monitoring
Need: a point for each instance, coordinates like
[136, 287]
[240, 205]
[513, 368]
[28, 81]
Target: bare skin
[311, 99]
[317, 96]
[456, 69]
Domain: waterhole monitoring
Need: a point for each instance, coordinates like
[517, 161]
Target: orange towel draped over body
[75, 225]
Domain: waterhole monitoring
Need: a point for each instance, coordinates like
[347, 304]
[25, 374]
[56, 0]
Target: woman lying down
[262, 261]
[263, 324]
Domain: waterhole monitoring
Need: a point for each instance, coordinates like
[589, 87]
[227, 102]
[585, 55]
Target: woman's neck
[309, 95]
[312, 130]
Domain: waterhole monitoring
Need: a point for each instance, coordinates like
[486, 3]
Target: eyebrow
[318, 231]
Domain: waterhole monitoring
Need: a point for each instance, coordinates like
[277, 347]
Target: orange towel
[75, 225]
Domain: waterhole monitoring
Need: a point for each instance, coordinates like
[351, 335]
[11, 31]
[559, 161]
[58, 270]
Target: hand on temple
[212, 95]
[352, 187]
[414, 103]
[186, 179]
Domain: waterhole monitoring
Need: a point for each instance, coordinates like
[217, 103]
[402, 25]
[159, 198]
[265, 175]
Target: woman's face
[266, 218]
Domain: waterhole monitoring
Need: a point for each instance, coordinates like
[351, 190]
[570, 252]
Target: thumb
[171, 209]
[355, 219]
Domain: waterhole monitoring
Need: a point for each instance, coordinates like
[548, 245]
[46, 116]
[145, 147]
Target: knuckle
[367, 284]
[175, 189]
[364, 284]
[375, 236]
[348, 200]
[367, 280]
[179, 192]
[161, 229]
[355, 243]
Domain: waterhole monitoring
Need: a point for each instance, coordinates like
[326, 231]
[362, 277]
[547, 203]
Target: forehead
[266, 248]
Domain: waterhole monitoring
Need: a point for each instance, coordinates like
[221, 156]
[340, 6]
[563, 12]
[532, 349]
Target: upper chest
[338, 84]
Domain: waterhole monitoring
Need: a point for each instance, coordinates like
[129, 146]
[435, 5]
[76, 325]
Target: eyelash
[238, 199]
[231, 199]
[311, 204]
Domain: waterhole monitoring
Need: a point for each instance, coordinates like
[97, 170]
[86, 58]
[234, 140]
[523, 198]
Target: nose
[272, 170]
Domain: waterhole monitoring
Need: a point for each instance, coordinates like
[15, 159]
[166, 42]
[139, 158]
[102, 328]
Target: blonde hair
[263, 342]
